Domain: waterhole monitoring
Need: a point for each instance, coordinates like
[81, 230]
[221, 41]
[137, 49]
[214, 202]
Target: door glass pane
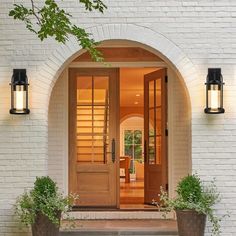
[151, 94]
[154, 148]
[158, 150]
[152, 121]
[152, 129]
[151, 150]
[84, 91]
[158, 92]
[158, 121]
[100, 91]
[92, 118]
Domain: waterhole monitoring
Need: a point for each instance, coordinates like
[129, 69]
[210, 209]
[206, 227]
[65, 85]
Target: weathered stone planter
[190, 223]
[44, 227]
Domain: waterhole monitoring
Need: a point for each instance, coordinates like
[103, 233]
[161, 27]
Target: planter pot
[44, 227]
[190, 223]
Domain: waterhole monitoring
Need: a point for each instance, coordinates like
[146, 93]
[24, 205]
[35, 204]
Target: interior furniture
[125, 164]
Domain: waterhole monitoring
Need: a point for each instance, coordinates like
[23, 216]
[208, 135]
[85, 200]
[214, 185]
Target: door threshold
[123, 207]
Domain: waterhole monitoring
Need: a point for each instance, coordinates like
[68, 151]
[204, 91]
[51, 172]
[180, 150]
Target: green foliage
[189, 188]
[95, 4]
[192, 194]
[43, 198]
[52, 21]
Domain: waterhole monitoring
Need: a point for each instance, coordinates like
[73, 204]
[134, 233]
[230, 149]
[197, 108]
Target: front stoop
[120, 228]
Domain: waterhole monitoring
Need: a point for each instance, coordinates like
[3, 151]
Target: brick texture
[190, 35]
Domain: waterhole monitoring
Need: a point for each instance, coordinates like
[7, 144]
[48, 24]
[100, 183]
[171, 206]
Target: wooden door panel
[152, 173]
[155, 117]
[93, 99]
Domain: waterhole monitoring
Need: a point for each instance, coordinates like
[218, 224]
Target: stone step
[120, 228]
[115, 233]
[119, 215]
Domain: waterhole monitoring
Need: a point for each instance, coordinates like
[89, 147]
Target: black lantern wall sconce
[19, 92]
[214, 92]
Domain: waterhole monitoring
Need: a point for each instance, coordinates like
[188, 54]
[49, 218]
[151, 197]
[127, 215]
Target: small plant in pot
[193, 204]
[42, 207]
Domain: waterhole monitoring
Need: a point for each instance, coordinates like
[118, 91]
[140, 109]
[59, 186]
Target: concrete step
[114, 233]
[119, 215]
[120, 228]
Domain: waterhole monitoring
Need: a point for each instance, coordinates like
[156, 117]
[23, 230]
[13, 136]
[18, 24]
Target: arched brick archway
[150, 40]
[158, 43]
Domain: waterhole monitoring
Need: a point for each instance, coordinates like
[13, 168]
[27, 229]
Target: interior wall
[128, 111]
[58, 133]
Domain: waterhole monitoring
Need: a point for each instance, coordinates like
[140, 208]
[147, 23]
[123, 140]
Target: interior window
[133, 146]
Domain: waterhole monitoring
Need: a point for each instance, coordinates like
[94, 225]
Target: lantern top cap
[19, 77]
[214, 76]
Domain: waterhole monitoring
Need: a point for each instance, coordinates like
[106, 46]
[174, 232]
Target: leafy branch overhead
[52, 21]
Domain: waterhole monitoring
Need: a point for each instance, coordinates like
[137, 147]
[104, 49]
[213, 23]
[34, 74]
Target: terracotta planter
[190, 223]
[44, 227]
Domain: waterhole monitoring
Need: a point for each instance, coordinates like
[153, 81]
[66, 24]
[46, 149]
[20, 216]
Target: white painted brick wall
[179, 126]
[58, 133]
[193, 35]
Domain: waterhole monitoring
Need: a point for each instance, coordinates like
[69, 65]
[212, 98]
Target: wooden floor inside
[132, 192]
[132, 195]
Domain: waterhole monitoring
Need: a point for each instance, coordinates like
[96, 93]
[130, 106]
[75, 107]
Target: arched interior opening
[132, 61]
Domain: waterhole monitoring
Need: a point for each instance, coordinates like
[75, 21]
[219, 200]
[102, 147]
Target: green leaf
[52, 21]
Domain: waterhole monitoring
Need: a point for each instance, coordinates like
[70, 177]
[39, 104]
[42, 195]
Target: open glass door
[93, 130]
[155, 154]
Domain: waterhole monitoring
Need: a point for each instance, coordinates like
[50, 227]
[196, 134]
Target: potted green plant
[42, 207]
[193, 204]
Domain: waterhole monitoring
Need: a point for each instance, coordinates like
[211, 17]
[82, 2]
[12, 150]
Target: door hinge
[166, 78]
[166, 132]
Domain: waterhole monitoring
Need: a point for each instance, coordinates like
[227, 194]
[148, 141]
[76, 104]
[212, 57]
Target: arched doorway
[178, 121]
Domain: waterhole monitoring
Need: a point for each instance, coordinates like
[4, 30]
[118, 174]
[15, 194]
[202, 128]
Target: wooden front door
[93, 130]
[155, 117]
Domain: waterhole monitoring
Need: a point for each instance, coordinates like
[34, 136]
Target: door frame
[171, 73]
[71, 133]
[164, 129]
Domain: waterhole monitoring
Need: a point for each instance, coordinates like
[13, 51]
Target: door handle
[113, 150]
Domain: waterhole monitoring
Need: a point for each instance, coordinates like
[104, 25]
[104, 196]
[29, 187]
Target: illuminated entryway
[94, 90]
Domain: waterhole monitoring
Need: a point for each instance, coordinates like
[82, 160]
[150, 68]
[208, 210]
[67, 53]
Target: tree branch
[53, 21]
[34, 13]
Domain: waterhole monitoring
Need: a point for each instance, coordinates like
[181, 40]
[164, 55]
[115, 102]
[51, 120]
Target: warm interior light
[214, 97]
[19, 98]
[137, 95]
[136, 103]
